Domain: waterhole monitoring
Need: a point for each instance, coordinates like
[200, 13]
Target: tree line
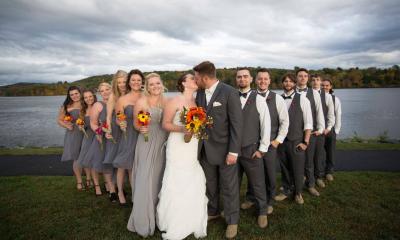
[342, 78]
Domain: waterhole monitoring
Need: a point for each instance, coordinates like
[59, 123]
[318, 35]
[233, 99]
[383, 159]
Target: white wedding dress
[182, 206]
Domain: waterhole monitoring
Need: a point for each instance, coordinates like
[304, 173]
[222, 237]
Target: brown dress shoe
[320, 183]
[280, 197]
[213, 217]
[329, 177]
[231, 231]
[262, 221]
[270, 209]
[299, 199]
[246, 205]
[313, 191]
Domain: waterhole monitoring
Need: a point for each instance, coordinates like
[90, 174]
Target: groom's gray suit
[223, 138]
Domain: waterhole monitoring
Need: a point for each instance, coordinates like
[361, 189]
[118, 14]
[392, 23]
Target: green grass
[341, 145]
[357, 205]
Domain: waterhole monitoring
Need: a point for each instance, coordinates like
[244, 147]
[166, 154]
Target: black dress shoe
[113, 197]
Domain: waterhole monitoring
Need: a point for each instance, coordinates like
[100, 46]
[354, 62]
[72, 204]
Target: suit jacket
[226, 134]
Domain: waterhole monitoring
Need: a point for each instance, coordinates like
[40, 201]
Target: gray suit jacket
[226, 134]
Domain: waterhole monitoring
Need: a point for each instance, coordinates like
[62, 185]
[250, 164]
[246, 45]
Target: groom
[218, 155]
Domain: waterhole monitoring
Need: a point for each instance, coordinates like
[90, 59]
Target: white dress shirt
[331, 110]
[305, 107]
[283, 116]
[338, 115]
[210, 91]
[265, 120]
[318, 106]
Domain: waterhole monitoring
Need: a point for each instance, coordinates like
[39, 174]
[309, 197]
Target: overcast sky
[50, 41]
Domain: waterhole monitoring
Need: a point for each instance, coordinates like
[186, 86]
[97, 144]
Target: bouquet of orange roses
[143, 119]
[68, 119]
[196, 121]
[81, 125]
[122, 122]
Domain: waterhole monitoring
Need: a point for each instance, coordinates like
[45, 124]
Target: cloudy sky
[50, 41]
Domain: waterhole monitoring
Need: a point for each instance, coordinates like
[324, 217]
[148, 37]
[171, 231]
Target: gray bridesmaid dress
[95, 154]
[86, 143]
[126, 148]
[147, 174]
[112, 148]
[72, 140]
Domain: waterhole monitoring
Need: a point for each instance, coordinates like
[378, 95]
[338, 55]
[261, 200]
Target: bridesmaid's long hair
[114, 83]
[84, 104]
[68, 100]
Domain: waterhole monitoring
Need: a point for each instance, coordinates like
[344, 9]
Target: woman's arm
[60, 120]
[170, 108]
[110, 109]
[94, 115]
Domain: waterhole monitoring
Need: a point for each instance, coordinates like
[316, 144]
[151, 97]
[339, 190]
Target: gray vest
[273, 112]
[310, 96]
[296, 121]
[324, 107]
[251, 121]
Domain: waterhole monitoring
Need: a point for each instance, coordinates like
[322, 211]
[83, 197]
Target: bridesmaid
[96, 152]
[118, 89]
[126, 149]
[89, 98]
[149, 160]
[73, 137]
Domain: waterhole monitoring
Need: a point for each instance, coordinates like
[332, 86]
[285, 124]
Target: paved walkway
[50, 165]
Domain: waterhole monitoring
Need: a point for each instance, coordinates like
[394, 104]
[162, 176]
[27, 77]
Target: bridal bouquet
[122, 122]
[106, 129]
[143, 119]
[81, 125]
[196, 121]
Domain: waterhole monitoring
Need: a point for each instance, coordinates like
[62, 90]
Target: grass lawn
[341, 145]
[357, 205]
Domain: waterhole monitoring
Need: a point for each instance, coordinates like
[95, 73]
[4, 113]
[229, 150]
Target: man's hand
[301, 146]
[316, 133]
[275, 143]
[326, 132]
[257, 155]
[230, 159]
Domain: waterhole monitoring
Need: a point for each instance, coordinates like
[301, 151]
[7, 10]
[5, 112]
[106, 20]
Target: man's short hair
[206, 68]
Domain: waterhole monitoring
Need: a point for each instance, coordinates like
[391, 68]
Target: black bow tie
[243, 94]
[262, 93]
[302, 90]
[287, 97]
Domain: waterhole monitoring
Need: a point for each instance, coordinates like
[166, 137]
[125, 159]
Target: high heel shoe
[89, 183]
[113, 197]
[80, 187]
[105, 188]
[122, 204]
[97, 195]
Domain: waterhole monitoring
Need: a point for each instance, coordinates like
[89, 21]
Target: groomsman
[255, 141]
[316, 139]
[291, 152]
[279, 127]
[330, 138]
[329, 117]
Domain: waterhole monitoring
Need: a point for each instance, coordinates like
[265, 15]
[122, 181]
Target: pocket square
[216, 104]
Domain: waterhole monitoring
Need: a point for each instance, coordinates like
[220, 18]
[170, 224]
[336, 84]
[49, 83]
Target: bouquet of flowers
[122, 122]
[143, 119]
[81, 125]
[106, 129]
[68, 120]
[196, 121]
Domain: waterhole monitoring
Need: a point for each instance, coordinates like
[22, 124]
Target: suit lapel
[215, 94]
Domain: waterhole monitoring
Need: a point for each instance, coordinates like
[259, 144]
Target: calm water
[31, 121]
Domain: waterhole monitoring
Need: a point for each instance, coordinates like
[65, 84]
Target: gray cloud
[49, 41]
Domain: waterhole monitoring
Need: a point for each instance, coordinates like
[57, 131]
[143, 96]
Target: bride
[182, 207]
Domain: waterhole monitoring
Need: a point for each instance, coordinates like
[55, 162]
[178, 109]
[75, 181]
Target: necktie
[262, 93]
[287, 97]
[242, 94]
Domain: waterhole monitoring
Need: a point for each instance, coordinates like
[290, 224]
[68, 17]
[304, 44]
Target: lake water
[31, 121]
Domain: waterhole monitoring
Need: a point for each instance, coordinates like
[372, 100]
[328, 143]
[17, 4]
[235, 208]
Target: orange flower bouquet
[195, 121]
[122, 122]
[106, 129]
[81, 125]
[143, 119]
[68, 119]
